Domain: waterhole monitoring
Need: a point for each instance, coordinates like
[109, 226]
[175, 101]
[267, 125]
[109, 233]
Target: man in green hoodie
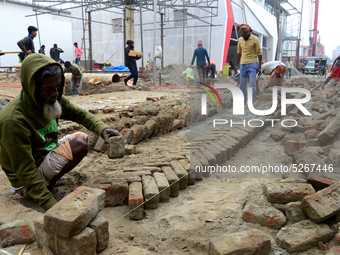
[30, 153]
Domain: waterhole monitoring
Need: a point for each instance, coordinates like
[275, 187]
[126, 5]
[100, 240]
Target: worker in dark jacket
[26, 44]
[130, 62]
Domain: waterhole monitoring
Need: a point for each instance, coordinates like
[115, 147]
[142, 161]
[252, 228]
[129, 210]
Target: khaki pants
[201, 73]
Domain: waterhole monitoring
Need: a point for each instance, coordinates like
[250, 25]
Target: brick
[74, 212]
[177, 124]
[101, 227]
[150, 128]
[100, 145]
[330, 131]
[150, 192]
[283, 193]
[191, 172]
[138, 133]
[16, 232]
[157, 164]
[194, 162]
[291, 147]
[277, 135]
[240, 243]
[303, 236]
[127, 134]
[116, 147]
[294, 213]
[130, 149]
[172, 179]
[320, 182]
[43, 238]
[216, 152]
[311, 134]
[116, 192]
[181, 173]
[227, 147]
[163, 187]
[308, 158]
[334, 251]
[263, 214]
[313, 142]
[136, 199]
[85, 243]
[323, 204]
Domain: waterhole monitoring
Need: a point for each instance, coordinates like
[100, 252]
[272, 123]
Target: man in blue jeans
[249, 51]
[130, 62]
[77, 77]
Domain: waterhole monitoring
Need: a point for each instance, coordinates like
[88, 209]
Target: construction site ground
[185, 225]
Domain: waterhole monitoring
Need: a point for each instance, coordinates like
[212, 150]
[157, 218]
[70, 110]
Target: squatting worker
[276, 70]
[250, 53]
[77, 77]
[30, 153]
[130, 62]
[201, 54]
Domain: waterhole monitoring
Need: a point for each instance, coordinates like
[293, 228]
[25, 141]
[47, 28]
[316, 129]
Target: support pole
[210, 32]
[141, 30]
[298, 44]
[90, 41]
[84, 34]
[36, 17]
[154, 39]
[183, 34]
[124, 34]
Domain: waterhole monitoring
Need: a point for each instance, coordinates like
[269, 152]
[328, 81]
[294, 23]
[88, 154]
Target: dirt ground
[186, 224]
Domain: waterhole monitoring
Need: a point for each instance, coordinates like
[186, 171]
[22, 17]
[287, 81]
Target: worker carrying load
[276, 70]
[130, 61]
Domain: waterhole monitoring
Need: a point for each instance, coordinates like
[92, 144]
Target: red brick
[319, 182]
[116, 193]
[101, 227]
[16, 232]
[291, 147]
[181, 173]
[138, 133]
[74, 212]
[334, 250]
[136, 199]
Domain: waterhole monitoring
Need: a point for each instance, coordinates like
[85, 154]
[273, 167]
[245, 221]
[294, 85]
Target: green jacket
[26, 136]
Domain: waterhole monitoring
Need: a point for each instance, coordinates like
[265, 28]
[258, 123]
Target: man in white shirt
[290, 65]
[276, 70]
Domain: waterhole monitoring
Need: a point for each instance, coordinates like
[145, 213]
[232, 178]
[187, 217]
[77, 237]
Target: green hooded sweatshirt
[26, 136]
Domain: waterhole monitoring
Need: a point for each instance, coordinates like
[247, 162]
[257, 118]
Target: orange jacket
[211, 63]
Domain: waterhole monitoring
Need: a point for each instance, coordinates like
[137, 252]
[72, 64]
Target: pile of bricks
[73, 225]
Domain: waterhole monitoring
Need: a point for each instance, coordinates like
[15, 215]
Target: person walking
[289, 65]
[42, 50]
[249, 51]
[55, 52]
[130, 62]
[77, 77]
[77, 52]
[27, 44]
[201, 54]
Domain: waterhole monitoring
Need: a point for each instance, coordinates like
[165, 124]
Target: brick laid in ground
[320, 182]
[85, 243]
[246, 242]
[163, 187]
[172, 179]
[181, 173]
[283, 193]
[294, 213]
[16, 232]
[303, 236]
[101, 227]
[116, 192]
[43, 238]
[74, 212]
[263, 214]
[136, 199]
[191, 172]
[150, 192]
[323, 204]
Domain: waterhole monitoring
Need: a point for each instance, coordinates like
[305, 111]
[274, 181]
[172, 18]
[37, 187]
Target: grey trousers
[201, 73]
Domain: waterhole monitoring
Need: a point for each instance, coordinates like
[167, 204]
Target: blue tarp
[118, 68]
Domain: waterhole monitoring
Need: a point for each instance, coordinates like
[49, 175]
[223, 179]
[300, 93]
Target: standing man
[289, 65]
[276, 70]
[249, 49]
[130, 62]
[31, 155]
[335, 74]
[77, 52]
[26, 44]
[42, 50]
[77, 77]
[55, 52]
[201, 53]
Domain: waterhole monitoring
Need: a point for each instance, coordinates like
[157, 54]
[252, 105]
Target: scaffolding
[64, 7]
